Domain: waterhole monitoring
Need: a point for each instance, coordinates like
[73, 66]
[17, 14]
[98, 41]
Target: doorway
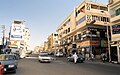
[114, 56]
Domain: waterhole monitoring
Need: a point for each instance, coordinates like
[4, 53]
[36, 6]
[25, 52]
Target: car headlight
[11, 66]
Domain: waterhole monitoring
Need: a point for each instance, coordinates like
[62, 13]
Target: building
[114, 9]
[19, 37]
[53, 42]
[85, 30]
[50, 42]
[27, 40]
[45, 45]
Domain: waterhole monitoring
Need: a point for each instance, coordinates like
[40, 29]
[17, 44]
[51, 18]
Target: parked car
[44, 57]
[80, 58]
[9, 61]
[1, 69]
[59, 54]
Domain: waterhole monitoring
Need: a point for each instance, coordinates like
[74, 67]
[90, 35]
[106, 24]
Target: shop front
[89, 47]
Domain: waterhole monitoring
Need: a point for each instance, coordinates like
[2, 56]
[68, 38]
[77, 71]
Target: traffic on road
[45, 64]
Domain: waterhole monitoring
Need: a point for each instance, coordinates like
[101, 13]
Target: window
[108, 20]
[79, 36]
[117, 12]
[68, 30]
[55, 34]
[81, 20]
[67, 22]
[76, 14]
[104, 19]
[94, 17]
[103, 8]
[80, 10]
[94, 6]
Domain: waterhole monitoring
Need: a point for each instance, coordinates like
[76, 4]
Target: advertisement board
[16, 32]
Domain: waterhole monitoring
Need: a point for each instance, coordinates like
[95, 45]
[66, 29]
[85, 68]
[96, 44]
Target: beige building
[45, 45]
[53, 42]
[85, 29]
[114, 9]
[50, 42]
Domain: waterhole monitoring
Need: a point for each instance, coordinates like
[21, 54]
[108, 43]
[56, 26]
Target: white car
[44, 57]
[59, 54]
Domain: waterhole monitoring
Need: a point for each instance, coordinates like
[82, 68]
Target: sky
[42, 17]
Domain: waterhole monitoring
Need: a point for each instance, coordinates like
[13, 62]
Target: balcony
[115, 18]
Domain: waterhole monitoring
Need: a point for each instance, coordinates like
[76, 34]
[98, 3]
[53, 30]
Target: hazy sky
[42, 17]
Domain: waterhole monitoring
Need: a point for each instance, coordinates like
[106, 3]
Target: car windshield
[44, 54]
[7, 57]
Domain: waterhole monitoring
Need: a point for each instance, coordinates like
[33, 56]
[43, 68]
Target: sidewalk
[100, 62]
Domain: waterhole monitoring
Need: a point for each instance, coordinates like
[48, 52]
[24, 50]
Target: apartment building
[114, 10]
[85, 29]
[19, 38]
[53, 42]
[50, 42]
[66, 32]
[27, 40]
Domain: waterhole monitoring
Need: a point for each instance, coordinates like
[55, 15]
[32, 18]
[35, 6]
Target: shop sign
[95, 43]
[85, 43]
[88, 43]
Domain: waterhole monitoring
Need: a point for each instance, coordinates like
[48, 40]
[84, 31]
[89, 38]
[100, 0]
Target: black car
[79, 60]
[9, 61]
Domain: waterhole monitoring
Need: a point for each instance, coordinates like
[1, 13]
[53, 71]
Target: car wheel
[14, 71]
[68, 60]
[16, 67]
[39, 60]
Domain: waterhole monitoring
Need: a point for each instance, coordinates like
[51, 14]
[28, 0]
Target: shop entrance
[114, 56]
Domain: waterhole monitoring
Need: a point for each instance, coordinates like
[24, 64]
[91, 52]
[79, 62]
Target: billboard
[17, 30]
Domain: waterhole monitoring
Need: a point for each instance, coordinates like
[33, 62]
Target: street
[60, 66]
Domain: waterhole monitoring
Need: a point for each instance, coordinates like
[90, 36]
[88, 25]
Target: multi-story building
[19, 38]
[53, 42]
[27, 40]
[85, 29]
[45, 45]
[114, 9]
[50, 42]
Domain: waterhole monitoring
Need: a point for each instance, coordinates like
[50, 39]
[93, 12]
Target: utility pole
[108, 39]
[3, 38]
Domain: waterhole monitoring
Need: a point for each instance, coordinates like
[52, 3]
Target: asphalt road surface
[31, 66]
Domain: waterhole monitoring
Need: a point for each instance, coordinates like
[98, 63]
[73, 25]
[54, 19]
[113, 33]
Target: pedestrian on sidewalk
[104, 57]
[75, 57]
[92, 57]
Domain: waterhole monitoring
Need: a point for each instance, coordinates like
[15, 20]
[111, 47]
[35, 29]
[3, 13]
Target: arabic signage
[116, 29]
[88, 43]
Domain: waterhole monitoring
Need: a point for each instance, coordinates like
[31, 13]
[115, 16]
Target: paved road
[31, 66]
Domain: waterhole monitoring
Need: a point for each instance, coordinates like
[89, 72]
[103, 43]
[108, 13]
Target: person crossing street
[75, 57]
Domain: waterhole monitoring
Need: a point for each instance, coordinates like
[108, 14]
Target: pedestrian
[104, 57]
[92, 57]
[75, 57]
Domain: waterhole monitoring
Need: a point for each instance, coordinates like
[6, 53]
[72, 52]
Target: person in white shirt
[75, 58]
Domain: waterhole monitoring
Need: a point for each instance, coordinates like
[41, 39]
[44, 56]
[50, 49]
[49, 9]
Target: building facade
[19, 37]
[114, 10]
[85, 29]
[53, 42]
